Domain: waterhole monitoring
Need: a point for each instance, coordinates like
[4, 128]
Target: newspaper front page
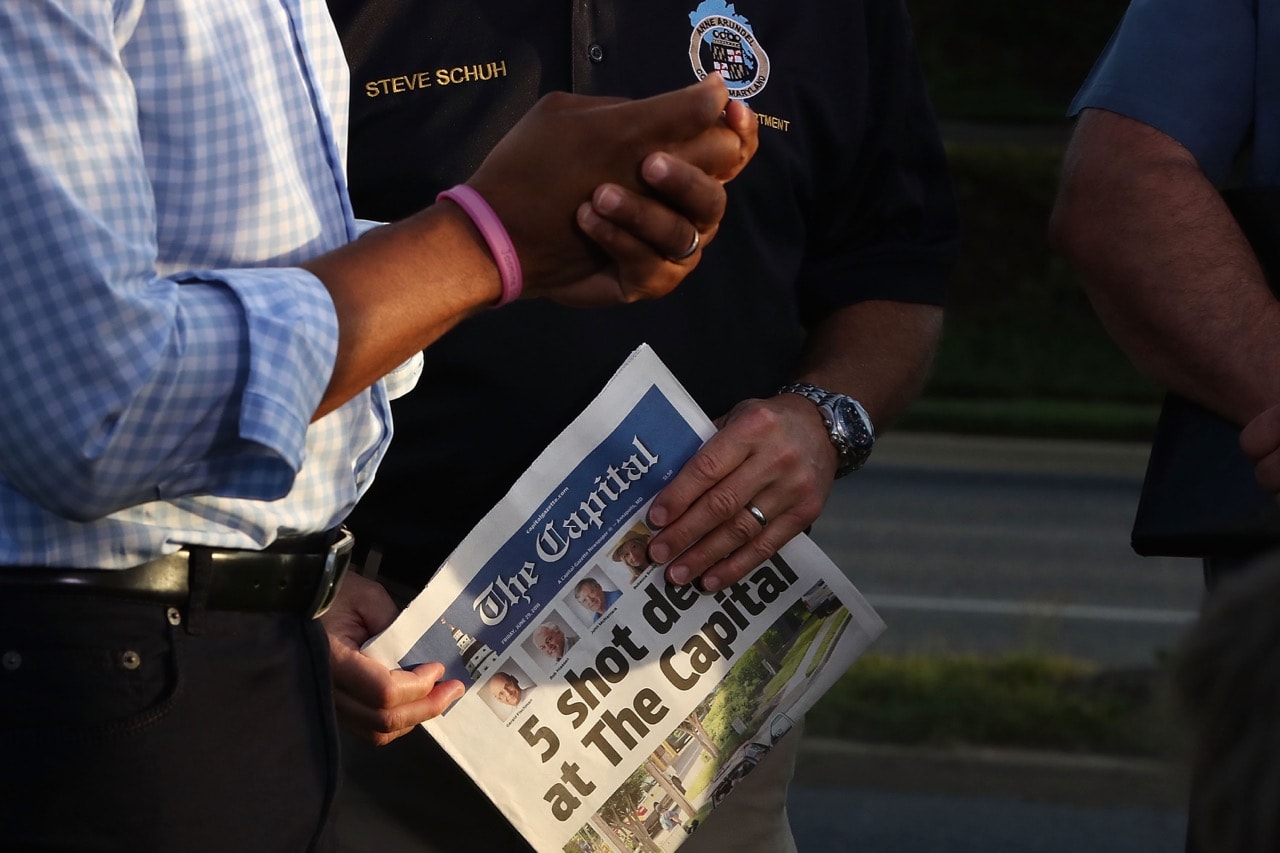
[607, 710]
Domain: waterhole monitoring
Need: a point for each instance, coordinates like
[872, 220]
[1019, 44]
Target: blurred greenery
[992, 60]
[1022, 354]
[1019, 323]
[1023, 701]
[1022, 351]
[1038, 418]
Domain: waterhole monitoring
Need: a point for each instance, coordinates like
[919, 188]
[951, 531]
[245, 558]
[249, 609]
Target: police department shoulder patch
[722, 41]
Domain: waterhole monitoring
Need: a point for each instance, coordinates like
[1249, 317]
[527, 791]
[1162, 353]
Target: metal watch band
[852, 441]
[809, 392]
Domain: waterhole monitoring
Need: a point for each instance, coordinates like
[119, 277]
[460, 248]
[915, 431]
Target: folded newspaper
[605, 708]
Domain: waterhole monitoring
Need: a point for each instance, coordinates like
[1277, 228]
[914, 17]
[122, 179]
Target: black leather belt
[296, 575]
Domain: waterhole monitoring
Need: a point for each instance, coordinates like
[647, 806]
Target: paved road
[989, 546]
[831, 820]
[880, 799]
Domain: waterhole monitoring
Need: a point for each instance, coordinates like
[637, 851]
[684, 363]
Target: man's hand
[648, 239]
[776, 455]
[570, 149]
[1260, 441]
[773, 454]
[372, 701]
[654, 168]
[659, 239]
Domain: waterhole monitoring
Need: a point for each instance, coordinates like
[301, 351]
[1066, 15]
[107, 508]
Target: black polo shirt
[847, 200]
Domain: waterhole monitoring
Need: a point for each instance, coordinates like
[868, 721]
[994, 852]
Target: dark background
[1022, 351]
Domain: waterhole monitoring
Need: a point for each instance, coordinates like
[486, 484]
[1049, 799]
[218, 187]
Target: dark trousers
[1215, 569]
[135, 727]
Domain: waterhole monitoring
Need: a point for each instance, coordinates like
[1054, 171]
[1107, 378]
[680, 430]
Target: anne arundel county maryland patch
[722, 41]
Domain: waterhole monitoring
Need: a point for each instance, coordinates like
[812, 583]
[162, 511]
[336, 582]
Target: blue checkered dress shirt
[166, 165]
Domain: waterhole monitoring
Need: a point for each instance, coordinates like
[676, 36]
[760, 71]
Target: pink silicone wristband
[490, 228]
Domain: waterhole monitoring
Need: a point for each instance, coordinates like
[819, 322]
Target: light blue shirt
[611, 597]
[1205, 72]
[166, 166]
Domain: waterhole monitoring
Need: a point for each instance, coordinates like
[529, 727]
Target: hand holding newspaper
[606, 709]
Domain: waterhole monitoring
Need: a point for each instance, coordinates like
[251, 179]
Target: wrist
[495, 237]
[847, 423]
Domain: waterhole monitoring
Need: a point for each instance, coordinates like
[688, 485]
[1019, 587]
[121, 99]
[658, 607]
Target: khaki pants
[754, 816]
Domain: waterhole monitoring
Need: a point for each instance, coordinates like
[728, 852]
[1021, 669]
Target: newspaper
[606, 709]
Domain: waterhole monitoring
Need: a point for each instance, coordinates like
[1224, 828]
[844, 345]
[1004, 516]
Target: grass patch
[834, 632]
[700, 778]
[1016, 701]
[791, 661]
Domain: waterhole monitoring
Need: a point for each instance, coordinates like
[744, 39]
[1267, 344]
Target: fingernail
[659, 553]
[587, 217]
[608, 199]
[679, 575]
[709, 583]
[657, 167]
[657, 517]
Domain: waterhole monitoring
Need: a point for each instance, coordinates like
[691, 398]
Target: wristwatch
[848, 424]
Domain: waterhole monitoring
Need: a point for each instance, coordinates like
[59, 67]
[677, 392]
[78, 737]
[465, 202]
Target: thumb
[1261, 435]
[701, 125]
[677, 115]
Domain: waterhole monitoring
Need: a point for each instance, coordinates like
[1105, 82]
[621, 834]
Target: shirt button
[596, 52]
[11, 661]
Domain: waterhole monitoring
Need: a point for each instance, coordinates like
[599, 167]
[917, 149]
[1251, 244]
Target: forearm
[401, 287]
[878, 352]
[1166, 267]
[398, 289]
[774, 454]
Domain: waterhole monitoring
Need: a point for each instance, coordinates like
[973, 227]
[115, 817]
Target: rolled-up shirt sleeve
[1187, 68]
[127, 379]
[885, 224]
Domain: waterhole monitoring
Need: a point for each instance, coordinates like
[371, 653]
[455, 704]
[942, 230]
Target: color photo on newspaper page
[607, 710]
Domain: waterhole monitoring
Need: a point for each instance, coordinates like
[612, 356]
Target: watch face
[847, 424]
[849, 421]
[851, 434]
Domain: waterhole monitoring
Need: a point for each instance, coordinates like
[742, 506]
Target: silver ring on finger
[757, 515]
[688, 253]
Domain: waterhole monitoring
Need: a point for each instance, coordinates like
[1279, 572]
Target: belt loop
[335, 566]
[199, 573]
[372, 562]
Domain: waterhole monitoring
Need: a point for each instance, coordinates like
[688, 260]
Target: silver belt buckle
[335, 563]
